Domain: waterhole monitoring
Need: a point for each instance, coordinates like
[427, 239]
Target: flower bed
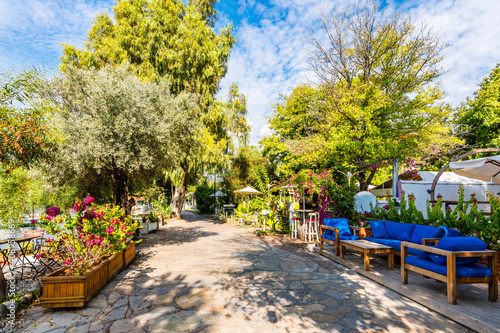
[93, 247]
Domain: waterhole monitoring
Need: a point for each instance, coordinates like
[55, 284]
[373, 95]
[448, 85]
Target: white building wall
[449, 191]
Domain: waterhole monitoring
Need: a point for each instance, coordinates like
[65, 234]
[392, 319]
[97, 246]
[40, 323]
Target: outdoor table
[365, 248]
[22, 243]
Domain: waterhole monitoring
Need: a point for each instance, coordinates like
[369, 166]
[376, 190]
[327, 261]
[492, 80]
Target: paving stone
[198, 298]
[150, 315]
[98, 301]
[124, 325]
[117, 313]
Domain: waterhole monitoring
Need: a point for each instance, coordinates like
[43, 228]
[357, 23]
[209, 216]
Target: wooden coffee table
[365, 248]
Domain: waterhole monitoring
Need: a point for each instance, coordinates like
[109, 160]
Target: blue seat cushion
[459, 244]
[462, 271]
[341, 224]
[399, 231]
[425, 255]
[332, 237]
[449, 232]
[425, 231]
[378, 229]
[394, 243]
[414, 252]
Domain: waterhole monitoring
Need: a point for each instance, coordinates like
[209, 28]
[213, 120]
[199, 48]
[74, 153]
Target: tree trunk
[120, 198]
[179, 198]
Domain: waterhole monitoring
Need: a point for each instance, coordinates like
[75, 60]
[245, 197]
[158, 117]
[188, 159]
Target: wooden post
[337, 242]
[451, 259]
[493, 285]
[366, 259]
[404, 271]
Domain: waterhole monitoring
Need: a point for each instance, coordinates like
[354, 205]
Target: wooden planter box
[115, 264]
[129, 254]
[60, 291]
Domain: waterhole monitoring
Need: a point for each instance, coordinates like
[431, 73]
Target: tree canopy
[478, 120]
[376, 99]
[160, 39]
[118, 127]
[24, 132]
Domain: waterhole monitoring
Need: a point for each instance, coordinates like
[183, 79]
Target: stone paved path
[196, 275]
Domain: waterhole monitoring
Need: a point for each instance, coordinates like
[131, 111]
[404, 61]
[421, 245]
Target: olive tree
[116, 127]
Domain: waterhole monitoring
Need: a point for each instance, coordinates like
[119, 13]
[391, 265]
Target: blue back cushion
[341, 224]
[459, 244]
[401, 231]
[448, 232]
[378, 229]
[425, 231]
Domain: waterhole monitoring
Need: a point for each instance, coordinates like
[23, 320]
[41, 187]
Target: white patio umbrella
[486, 168]
[218, 194]
[248, 190]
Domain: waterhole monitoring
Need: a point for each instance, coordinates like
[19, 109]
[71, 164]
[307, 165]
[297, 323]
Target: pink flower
[89, 200]
[79, 206]
[38, 256]
[67, 261]
[53, 211]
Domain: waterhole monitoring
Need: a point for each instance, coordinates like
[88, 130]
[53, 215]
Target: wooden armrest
[485, 253]
[328, 227]
[427, 241]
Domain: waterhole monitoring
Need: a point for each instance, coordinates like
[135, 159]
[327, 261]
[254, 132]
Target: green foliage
[478, 120]
[340, 198]
[23, 192]
[465, 217]
[204, 202]
[25, 128]
[115, 126]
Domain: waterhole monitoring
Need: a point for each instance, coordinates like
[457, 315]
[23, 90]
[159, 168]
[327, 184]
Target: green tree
[478, 120]
[160, 38]
[168, 39]
[25, 129]
[376, 100]
[117, 127]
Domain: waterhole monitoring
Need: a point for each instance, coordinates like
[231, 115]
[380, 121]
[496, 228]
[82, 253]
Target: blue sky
[270, 56]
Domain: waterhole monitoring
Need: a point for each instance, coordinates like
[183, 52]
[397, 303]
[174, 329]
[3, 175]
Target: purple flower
[53, 211]
[386, 207]
[89, 200]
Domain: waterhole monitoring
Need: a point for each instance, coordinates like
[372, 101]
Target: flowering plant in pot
[87, 239]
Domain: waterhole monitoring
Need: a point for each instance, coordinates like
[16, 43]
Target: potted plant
[93, 246]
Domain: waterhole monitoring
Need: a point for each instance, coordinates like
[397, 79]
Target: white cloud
[471, 28]
[32, 30]
[270, 56]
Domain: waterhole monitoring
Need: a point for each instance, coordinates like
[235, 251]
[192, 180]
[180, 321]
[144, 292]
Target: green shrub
[204, 202]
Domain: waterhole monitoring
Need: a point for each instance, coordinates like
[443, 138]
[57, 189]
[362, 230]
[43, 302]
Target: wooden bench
[450, 278]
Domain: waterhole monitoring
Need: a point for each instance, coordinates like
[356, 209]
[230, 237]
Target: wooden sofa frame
[451, 277]
[322, 240]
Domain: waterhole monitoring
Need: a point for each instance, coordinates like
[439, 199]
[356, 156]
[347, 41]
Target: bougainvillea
[85, 240]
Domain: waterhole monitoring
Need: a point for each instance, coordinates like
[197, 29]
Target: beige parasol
[248, 190]
[486, 168]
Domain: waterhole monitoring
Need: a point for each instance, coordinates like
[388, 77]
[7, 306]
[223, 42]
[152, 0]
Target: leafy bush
[465, 217]
[204, 202]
